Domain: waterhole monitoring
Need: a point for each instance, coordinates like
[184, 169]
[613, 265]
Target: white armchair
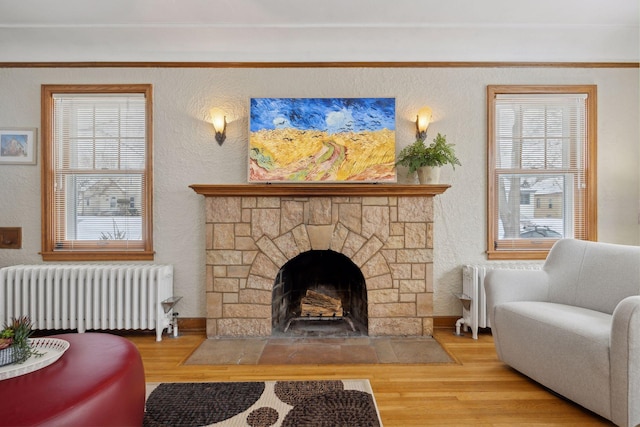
[574, 326]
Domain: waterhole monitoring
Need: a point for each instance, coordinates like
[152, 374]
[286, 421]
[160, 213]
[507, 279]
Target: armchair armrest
[514, 285]
[625, 362]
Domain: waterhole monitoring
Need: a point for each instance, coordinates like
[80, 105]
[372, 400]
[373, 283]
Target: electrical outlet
[10, 237]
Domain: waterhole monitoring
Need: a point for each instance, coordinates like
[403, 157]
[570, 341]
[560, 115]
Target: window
[97, 172]
[541, 142]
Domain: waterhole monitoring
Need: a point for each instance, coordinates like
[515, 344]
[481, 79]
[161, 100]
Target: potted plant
[427, 159]
[14, 341]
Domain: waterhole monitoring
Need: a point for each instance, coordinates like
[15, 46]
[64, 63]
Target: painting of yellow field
[322, 140]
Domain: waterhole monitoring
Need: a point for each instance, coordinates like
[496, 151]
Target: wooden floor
[479, 390]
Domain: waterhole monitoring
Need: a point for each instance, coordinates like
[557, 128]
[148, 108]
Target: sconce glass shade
[422, 122]
[219, 122]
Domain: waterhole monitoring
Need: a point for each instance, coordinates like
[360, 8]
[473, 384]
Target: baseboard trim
[445, 322]
[192, 324]
[199, 324]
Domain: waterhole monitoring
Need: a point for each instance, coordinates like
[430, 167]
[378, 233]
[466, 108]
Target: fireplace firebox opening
[319, 293]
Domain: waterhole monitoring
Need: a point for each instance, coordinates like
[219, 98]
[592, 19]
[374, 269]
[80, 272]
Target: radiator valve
[174, 325]
[171, 316]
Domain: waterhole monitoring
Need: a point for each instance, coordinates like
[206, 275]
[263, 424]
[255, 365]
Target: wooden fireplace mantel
[334, 189]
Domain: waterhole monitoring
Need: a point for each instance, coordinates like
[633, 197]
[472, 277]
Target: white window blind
[541, 148]
[99, 155]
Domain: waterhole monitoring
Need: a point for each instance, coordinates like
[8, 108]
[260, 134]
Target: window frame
[539, 250]
[49, 251]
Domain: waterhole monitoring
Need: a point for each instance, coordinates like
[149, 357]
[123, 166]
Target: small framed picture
[18, 146]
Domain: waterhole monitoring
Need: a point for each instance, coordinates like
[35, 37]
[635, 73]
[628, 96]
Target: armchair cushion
[592, 274]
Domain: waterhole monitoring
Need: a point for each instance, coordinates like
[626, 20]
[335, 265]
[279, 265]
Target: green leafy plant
[418, 154]
[16, 335]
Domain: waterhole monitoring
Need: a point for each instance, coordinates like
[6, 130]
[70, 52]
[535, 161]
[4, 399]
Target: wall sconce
[422, 122]
[219, 122]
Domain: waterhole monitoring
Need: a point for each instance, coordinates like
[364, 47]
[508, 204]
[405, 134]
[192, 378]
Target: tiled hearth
[253, 230]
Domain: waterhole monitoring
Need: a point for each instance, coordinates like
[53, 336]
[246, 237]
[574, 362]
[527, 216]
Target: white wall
[185, 152]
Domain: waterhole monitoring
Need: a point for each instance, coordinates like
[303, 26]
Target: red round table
[98, 381]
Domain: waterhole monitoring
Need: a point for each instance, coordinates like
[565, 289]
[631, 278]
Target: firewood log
[317, 304]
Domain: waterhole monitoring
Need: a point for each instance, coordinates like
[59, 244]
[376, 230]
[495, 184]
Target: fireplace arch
[331, 275]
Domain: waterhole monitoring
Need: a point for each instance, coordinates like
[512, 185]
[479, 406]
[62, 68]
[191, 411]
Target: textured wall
[185, 152]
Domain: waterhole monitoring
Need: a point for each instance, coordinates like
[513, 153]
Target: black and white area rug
[328, 403]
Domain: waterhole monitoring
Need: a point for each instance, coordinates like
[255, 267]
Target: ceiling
[319, 30]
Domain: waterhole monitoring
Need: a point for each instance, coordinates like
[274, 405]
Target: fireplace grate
[319, 318]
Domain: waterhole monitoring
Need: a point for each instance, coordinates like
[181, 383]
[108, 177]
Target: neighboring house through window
[97, 172]
[541, 145]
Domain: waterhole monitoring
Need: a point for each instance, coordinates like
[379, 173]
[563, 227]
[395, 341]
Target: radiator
[88, 297]
[473, 297]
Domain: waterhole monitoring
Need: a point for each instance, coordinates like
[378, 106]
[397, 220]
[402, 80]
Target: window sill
[518, 255]
[98, 256]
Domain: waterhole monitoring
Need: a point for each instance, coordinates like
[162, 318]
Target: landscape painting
[322, 140]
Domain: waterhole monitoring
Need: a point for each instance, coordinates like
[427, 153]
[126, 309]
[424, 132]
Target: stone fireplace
[256, 232]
